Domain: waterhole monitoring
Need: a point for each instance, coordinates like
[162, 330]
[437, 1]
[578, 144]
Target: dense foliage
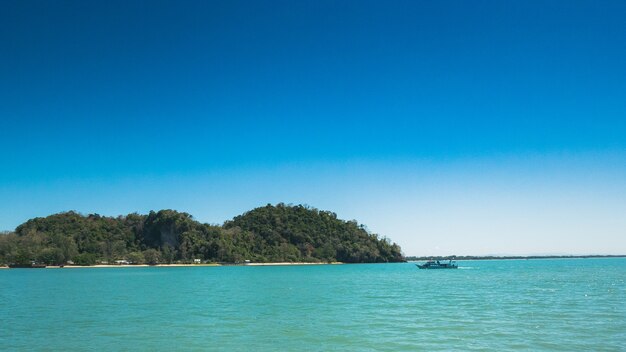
[278, 233]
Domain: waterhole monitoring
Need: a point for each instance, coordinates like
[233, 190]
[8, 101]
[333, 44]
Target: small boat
[435, 264]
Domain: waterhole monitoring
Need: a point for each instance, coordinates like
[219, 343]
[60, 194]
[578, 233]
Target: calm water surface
[552, 305]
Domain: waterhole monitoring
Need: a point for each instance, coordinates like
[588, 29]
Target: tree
[85, 259]
[152, 256]
[136, 258]
[51, 256]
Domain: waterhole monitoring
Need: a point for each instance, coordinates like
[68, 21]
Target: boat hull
[445, 266]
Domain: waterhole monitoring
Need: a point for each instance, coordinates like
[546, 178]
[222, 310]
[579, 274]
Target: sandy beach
[288, 263]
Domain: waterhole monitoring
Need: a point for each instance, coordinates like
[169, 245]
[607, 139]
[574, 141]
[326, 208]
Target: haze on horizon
[466, 128]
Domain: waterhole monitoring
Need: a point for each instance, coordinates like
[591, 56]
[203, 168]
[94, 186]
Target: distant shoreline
[177, 265]
[408, 259]
[512, 257]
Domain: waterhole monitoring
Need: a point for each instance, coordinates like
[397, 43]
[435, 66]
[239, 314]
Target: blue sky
[482, 127]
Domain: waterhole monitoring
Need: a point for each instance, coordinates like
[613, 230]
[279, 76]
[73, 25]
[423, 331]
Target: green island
[273, 233]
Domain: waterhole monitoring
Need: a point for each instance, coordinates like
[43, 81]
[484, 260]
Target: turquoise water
[568, 305]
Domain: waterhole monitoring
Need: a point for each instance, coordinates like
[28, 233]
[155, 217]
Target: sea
[490, 305]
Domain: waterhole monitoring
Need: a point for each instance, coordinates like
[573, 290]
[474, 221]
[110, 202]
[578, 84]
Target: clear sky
[451, 127]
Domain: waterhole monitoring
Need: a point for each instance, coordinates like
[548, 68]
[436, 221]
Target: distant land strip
[491, 257]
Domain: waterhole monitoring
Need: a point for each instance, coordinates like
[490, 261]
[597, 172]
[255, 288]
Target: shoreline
[124, 266]
[289, 263]
[409, 260]
[176, 265]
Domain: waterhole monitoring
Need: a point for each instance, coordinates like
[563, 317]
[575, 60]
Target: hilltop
[280, 233]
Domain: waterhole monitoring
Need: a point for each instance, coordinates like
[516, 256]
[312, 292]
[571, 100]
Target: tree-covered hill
[299, 233]
[278, 233]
